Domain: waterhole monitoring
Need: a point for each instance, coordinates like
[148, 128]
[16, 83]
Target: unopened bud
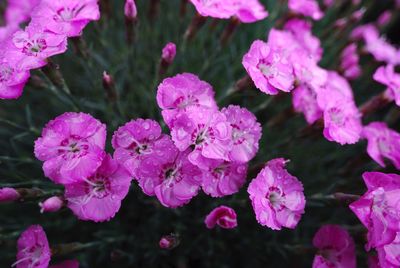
[130, 10]
[8, 195]
[169, 52]
[51, 204]
[109, 86]
[169, 241]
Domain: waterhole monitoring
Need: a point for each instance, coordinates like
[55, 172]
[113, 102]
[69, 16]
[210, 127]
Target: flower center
[203, 135]
[5, 73]
[34, 47]
[336, 116]
[384, 145]
[267, 69]
[275, 197]
[66, 14]
[172, 175]
[99, 187]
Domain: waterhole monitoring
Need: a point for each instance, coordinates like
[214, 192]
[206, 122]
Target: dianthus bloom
[350, 62]
[98, 198]
[137, 139]
[29, 48]
[67, 264]
[33, 249]
[12, 79]
[309, 8]
[382, 50]
[66, 17]
[19, 11]
[176, 94]
[277, 196]
[246, 132]
[173, 179]
[305, 101]
[8, 194]
[71, 147]
[388, 77]
[224, 178]
[208, 131]
[378, 208]
[269, 68]
[389, 255]
[335, 248]
[223, 216]
[251, 11]
[383, 142]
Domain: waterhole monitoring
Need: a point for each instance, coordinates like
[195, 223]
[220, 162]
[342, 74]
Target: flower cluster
[50, 24]
[378, 210]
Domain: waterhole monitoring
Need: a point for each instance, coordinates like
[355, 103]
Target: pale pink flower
[223, 216]
[138, 139]
[251, 11]
[246, 133]
[224, 178]
[335, 248]
[208, 131]
[305, 101]
[277, 196]
[98, 198]
[29, 48]
[130, 10]
[176, 94]
[71, 147]
[52, 204]
[33, 249]
[12, 79]
[8, 194]
[269, 68]
[389, 255]
[169, 53]
[383, 142]
[173, 179]
[19, 11]
[66, 17]
[309, 8]
[388, 77]
[378, 208]
[66, 264]
[350, 62]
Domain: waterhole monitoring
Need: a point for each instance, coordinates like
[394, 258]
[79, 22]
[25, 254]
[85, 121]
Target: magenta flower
[389, 255]
[335, 248]
[169, 53]
[382, 50]
[269, 68]
[130, 10]
[378, 208]
[66, 17]
[136, 140]
[33, 249]
[8, 195]
[98, 198]
[224, 178]
[246, 133]
[223, 216]
[173, 179]
[51, 204]
[350, 62]
[309, 8]
[71, 147]
[176, 94]
[19, 11]
[208, 131]
[12, 80]
[67, 264]
[305, 101]
[368, 32]
[388, 77]
[277, 196]
[383, 142]
[251, 11]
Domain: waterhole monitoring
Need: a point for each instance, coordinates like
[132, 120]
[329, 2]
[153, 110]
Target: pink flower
[350, 62]
[98, 198]
[169, 52]
[67, 264]
[246, 132]
[378, 208]
[301, 31]
[182, 91]
[30, 48]
[336, 248]
[138, 139]
[169, 241]
[33, 249]
[269, 68]
[387, 76]
[251, 11]
[223, 216]
[277, 197]
[130, 10]
[389, 255]
[51, 204]
[305, 101]
[66, 17]
[19, 11]
[71, 147]
[309, 8]
[173, 179]
[382, 50]
[368, 32]
[12, 80]
[208, 131]
[224, 178]
[383, 142]
[8, 195]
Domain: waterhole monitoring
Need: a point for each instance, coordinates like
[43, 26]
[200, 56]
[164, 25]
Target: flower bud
[8, 195]
[51, 204]
[130, 10]
[109, 86]
[169, 52]
[169, 241]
